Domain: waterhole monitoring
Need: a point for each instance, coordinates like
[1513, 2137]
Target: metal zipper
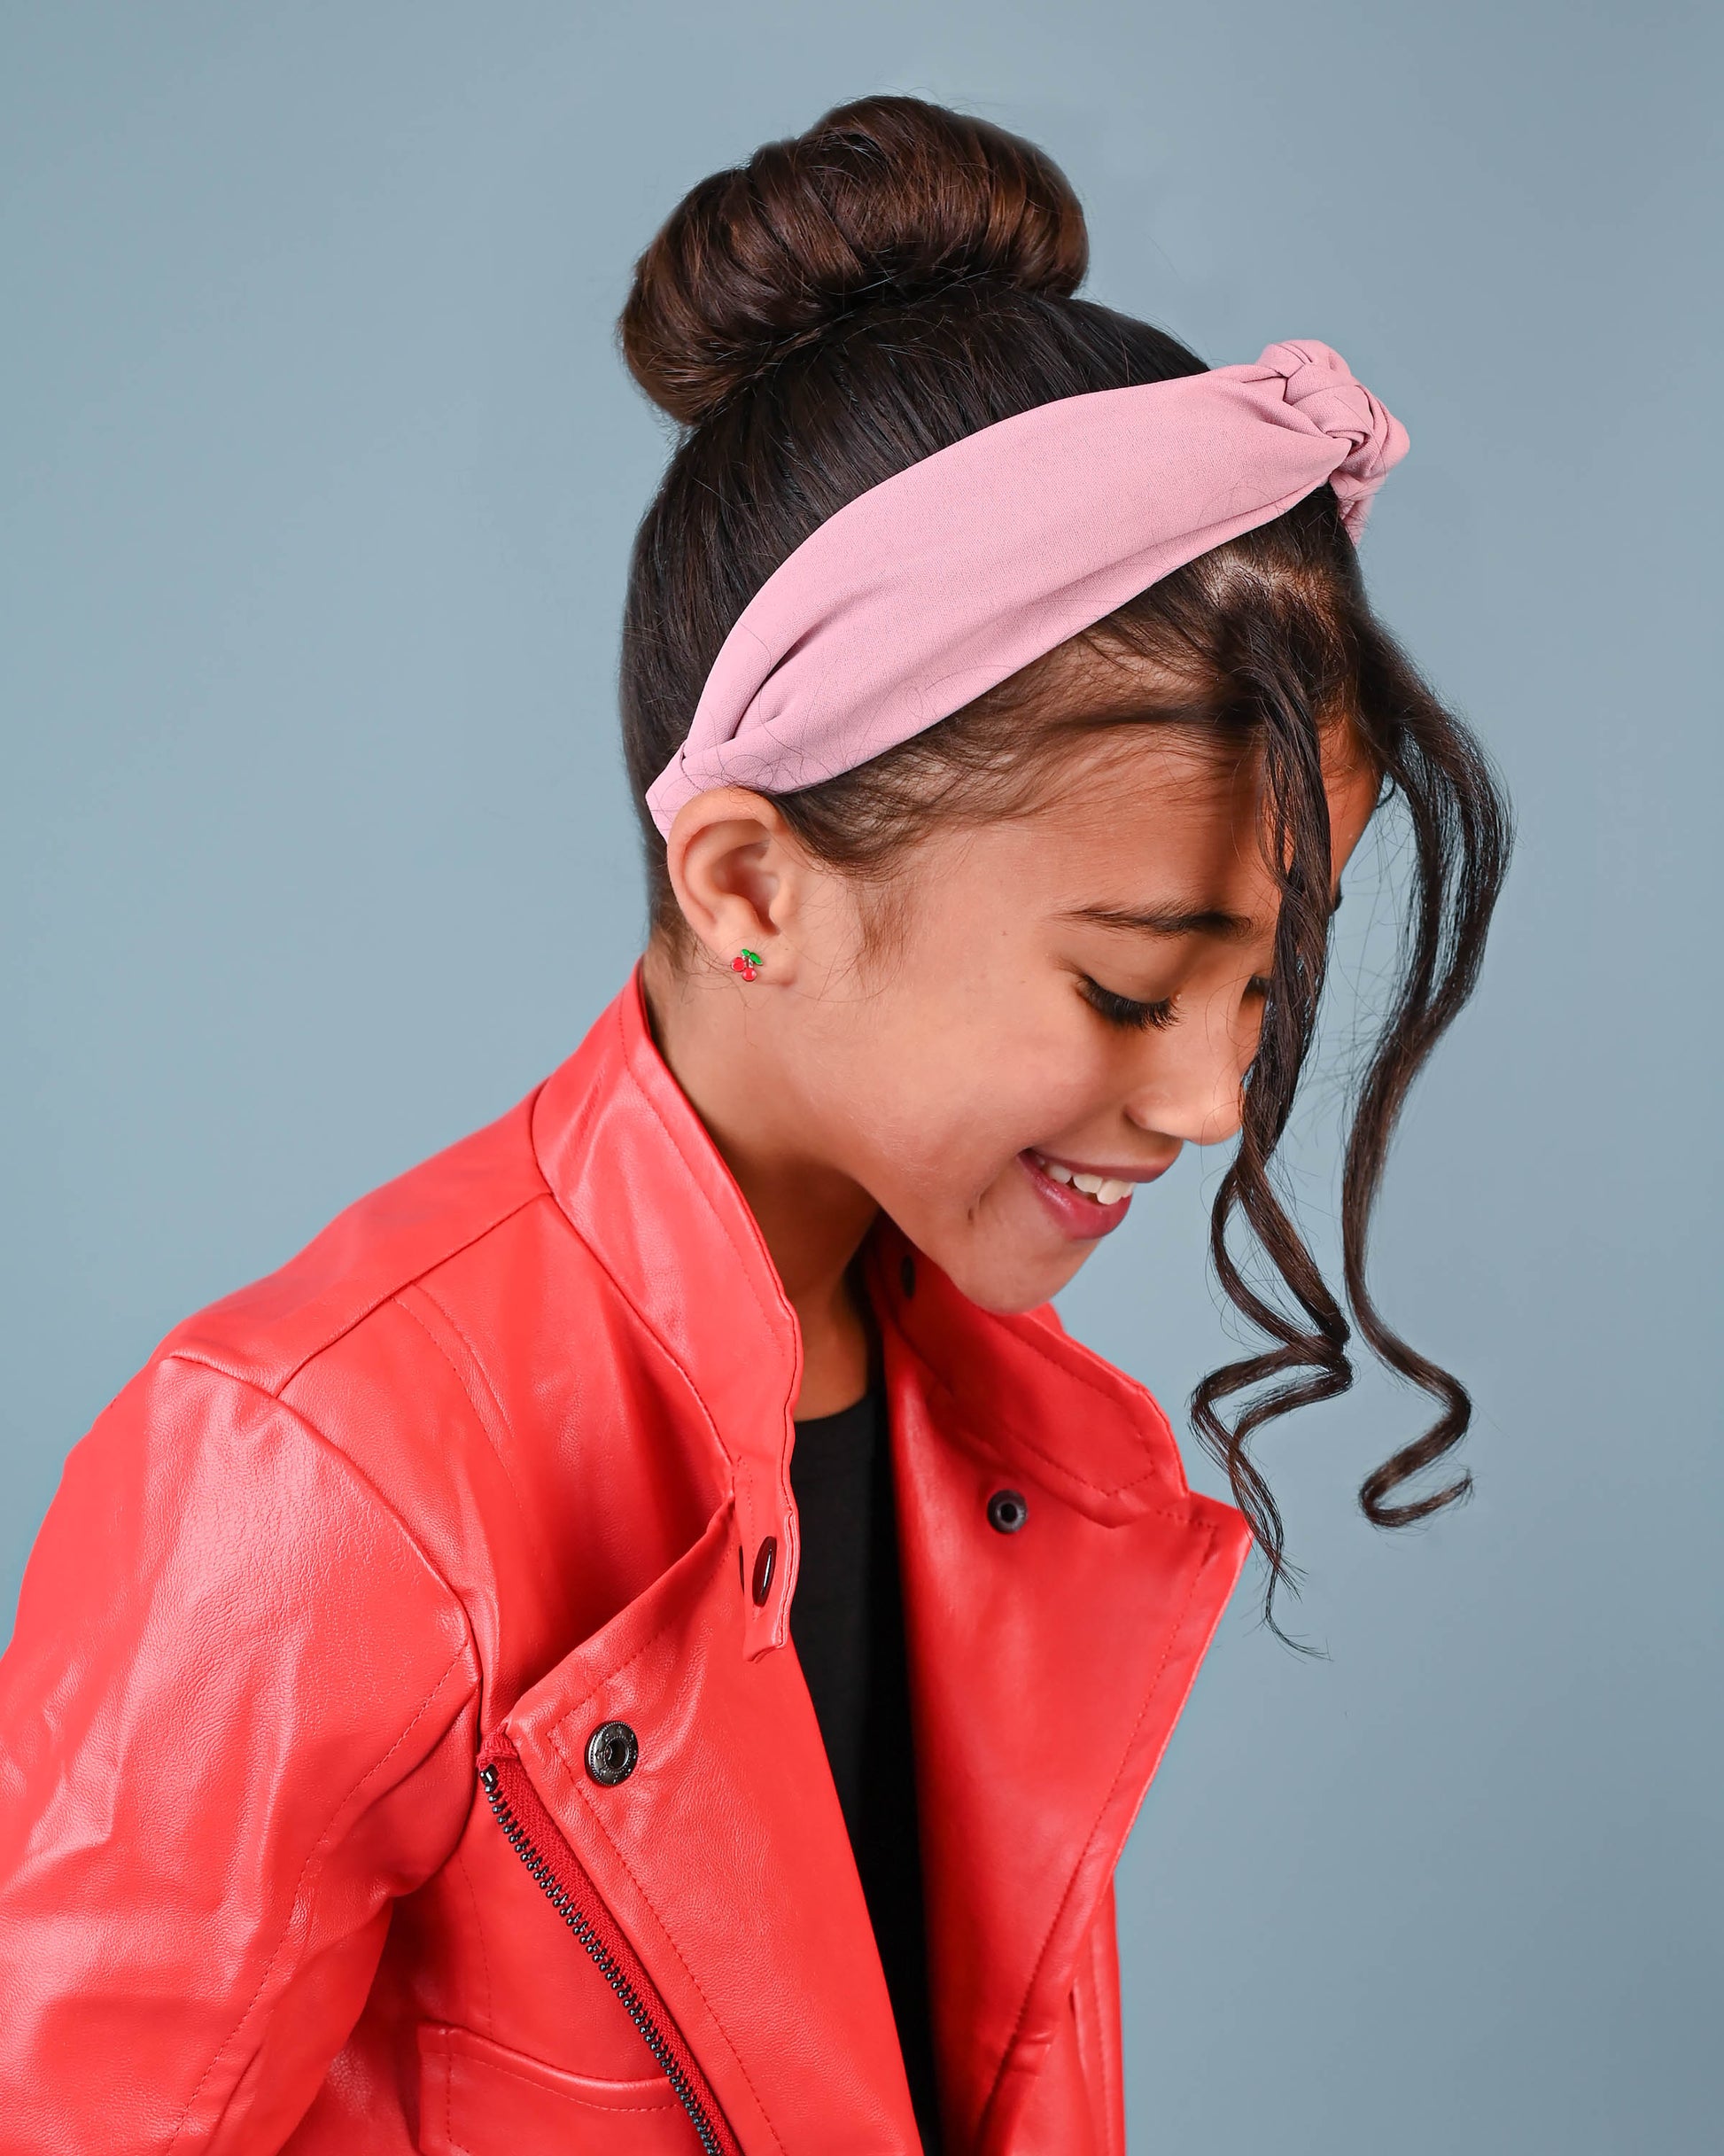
[612, 1956]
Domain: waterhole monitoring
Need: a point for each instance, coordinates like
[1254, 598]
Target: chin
[1006, 1282]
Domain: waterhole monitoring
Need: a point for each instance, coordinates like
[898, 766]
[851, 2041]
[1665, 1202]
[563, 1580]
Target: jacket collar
[1046, 1667]
[612, 1125]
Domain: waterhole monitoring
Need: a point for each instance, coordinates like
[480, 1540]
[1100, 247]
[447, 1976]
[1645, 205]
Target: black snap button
[611, 1752]
[907, 1275]
[1007, 1511]
[765, 1562]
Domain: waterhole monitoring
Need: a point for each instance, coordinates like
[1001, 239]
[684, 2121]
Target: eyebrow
[1174, 920]
[1168, 921]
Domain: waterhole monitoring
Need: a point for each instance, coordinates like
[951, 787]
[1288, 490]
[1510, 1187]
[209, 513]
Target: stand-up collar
[634, 1167]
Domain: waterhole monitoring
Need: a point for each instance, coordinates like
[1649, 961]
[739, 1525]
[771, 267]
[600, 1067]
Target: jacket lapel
[1048, 1662]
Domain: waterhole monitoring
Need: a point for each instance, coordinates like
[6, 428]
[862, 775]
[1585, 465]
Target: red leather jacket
[401, 1747]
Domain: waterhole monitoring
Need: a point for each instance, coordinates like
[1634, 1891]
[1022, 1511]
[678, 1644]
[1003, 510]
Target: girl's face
[1060, 1003]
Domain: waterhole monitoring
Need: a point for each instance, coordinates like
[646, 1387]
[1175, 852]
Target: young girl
[647, 1635]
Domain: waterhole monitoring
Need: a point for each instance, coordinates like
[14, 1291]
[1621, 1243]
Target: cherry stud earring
[747, 963]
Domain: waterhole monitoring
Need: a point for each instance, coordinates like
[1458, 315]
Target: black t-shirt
[847, 1621]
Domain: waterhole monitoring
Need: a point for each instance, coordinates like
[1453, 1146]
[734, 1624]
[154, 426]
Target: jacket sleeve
[235, 1722]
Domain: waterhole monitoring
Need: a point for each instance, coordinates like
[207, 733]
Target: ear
[740, 877]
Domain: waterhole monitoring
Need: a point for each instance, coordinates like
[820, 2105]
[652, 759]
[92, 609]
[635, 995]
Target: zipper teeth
[605, 1963]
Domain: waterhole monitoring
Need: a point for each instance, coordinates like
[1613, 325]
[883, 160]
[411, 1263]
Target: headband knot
[1321, 387]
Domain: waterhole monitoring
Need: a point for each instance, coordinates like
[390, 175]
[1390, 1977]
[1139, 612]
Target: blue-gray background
[319, 473]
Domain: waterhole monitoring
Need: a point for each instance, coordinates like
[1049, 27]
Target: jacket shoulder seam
[384, 1294]
[470, 1389]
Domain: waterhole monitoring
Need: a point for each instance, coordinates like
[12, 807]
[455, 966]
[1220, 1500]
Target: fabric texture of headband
[935, 585]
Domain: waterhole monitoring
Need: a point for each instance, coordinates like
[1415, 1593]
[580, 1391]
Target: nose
[1196, 1092]
[1189, 1121]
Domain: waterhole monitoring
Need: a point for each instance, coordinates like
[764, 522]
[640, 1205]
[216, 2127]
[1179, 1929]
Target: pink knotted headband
[935, 585]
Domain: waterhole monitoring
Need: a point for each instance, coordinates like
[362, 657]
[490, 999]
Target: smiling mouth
[1103, 1189]
[1085, 1202]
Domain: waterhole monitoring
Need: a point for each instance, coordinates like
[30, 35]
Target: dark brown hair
[855, 299]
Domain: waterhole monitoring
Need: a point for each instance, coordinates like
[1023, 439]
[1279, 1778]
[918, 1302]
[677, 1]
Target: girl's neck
[813, 1218]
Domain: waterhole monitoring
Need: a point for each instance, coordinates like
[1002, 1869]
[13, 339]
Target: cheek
[946, 1107]
[969, 1046]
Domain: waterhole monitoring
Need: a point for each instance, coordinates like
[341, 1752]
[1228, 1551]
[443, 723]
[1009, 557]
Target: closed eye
[1125, 1011]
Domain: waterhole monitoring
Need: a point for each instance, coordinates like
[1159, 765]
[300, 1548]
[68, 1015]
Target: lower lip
[1078, 1215]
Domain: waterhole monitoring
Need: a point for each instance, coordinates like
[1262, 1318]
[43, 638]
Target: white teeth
[1104, 1189]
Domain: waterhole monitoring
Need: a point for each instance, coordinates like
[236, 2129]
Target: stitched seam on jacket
[947, 1392]
[528, 1519]
[651, 1107]
[742, 2064]
[653, 1335]
[786, 1506]
[1078, 1375]
[319, 1849]
[478, 1929]
[1076, 1369]
[669, 2101]
[554, 1734]
[723, 1228]
[610, 1676]
[395, 1287]
[1175, 1632]
[628, 1301]
[484, 1375]
[598, 1259]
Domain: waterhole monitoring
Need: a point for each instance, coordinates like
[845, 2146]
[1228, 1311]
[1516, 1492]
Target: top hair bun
[888, 199]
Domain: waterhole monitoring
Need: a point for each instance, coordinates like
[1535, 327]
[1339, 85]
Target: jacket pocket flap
[476, 2097]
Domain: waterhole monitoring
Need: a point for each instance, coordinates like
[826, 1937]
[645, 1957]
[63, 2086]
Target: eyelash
[1132, 1017]
[1125, 1011]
